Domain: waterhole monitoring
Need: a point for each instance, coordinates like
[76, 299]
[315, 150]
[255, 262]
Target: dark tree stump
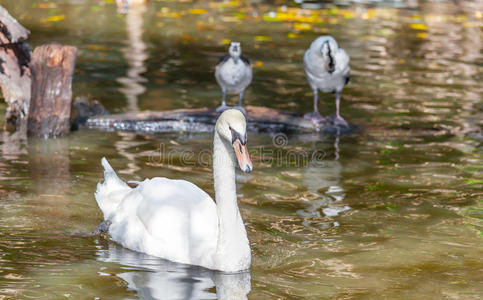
[14, 71]
[52, 68]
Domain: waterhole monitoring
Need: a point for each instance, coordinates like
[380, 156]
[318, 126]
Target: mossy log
[203, 120]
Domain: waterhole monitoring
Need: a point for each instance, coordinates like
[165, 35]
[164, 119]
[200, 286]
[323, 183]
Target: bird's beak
[242, 156]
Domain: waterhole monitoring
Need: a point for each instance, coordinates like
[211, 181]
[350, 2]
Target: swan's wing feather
[179, 214]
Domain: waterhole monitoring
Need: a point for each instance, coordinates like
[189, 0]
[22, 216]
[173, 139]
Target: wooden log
[15, 77]
[203, 120]
[52, 69]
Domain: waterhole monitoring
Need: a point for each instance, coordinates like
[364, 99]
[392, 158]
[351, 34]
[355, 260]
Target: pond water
[392, 212]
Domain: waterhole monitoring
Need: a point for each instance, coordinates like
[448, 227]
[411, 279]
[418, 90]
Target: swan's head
[232, 127]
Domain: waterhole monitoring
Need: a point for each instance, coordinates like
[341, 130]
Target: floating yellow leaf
[292, 35]
[259, 63]
[262, 38]
[175, 15]
[47, 5]
[225, 41]
[54, 18]
[230, 19]
[422, 35]
[239, 15]
[302, 26]
[471, 24]
[97, 47]
[418, 26]
[347, 14]
[224, 4]
[333, 11]
[198, 11]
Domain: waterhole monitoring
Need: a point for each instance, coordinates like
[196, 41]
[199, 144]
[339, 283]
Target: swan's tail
[110, 192]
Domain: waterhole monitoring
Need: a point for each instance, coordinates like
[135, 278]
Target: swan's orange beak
[242, 156]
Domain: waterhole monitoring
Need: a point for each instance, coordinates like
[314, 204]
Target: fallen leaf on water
[230, 19]
[97, 47]
[347, 14]
[259, 63]
[262, 38]
[333, 11]
[239, 15]
[302, 26]
[54, 18]
[292, 35]
[224, 4]
[47, 5]
[225, 41]
[472, 24]
[198, 11]
[418, 26]
[422, 35]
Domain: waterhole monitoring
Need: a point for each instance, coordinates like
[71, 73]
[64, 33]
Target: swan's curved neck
[233, 250]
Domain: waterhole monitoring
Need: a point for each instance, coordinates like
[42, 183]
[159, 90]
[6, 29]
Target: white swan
[175, 219]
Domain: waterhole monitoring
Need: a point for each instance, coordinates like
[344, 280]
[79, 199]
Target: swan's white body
[175, 219]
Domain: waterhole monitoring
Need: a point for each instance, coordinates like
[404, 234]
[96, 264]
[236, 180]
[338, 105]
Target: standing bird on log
[327, 69]
[233, 73]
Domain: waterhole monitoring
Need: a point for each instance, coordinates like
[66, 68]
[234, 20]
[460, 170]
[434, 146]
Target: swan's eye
[236, 136]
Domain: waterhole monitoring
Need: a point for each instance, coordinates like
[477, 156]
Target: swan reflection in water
[156, 278]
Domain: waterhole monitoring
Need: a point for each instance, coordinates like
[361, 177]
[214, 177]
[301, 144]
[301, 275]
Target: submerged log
[14, 71]
[203, 120]
[52, 69]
